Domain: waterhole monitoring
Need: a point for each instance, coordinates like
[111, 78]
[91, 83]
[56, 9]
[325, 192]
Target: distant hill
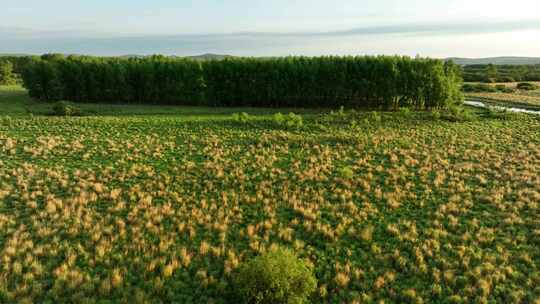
[497, 60]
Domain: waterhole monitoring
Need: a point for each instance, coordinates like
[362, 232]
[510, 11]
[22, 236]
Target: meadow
[529, 99]
[163, 204]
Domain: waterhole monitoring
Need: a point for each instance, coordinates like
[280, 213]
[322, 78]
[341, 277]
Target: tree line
[491, 73]
[366, 81]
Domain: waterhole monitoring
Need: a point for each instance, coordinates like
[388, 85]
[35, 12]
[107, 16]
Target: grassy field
[399, 207]
[521, 98]
[15, 101]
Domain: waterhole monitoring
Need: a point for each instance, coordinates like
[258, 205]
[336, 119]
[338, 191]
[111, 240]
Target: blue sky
[436, 28]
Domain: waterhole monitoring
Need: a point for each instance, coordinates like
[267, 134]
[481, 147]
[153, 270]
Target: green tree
[6, 73]
[276, 277]
[492, 73]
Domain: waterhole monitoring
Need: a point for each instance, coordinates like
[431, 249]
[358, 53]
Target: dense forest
[382, 81]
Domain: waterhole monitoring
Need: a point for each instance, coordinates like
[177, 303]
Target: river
[480, 104]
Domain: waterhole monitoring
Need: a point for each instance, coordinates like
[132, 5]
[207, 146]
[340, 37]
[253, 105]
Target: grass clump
[277, 276]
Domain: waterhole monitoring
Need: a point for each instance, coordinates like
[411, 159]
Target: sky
[434, 28]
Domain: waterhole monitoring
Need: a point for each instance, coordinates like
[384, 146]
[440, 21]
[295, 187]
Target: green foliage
[504, 89]
[153, 80]
[501, 73]
[346, 172]
[375, 116]
[405, 111]
[457, 114]
[279, 119]
[62, 108]
[435, 114]
[240, 117]
[6, 73]
[491, 73]
[478, 87]
[500, 114]
[275, 277]
[506, 79]
[373, 82]
[526, 86]
[291, 120]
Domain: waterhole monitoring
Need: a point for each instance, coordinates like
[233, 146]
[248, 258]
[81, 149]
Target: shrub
[405, 111]
[506, 79]
[457, 114]
[346, 172]
[501, 114]
[526, 86]
[375, 117]
[504, 89]
[241, 117]
[62, 108]
[469, 88]
[278, 118]
[277, 276]
[294, 120]
[479, 87]
[290, 121]
[435, 115]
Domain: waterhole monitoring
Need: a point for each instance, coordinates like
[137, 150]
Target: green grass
[15, 101]
[519, 98]
[163, 204]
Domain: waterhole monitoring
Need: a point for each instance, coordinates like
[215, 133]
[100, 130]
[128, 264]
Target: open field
[162, 204]
[521, 98]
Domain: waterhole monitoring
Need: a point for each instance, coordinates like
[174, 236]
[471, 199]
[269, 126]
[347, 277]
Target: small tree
[276, 277]
[492, 73]
[6, 73]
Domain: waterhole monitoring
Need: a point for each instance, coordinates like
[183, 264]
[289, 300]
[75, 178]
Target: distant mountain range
[496, 60]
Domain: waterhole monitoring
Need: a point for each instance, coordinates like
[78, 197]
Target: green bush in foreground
[277, 276]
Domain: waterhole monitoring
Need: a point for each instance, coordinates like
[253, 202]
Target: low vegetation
[370, 206]
[523, 94]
